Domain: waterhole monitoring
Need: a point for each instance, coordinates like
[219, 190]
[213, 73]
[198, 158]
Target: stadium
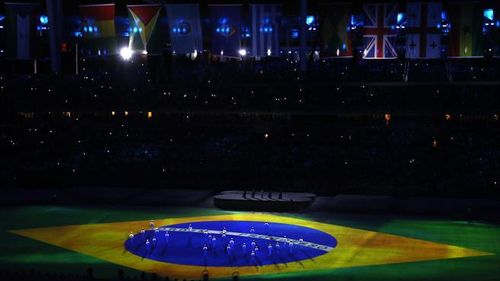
[249, 140]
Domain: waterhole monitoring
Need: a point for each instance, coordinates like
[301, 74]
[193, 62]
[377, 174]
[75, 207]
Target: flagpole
[303, 36]
[76, 58]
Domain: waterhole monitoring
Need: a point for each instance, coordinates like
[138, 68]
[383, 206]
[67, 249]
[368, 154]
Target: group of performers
[155, 236]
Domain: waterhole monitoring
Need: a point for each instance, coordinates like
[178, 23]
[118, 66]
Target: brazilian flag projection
[466, 29]
[98, 25]
[21, 20]
[250, 244]
[145, 34]
[335, 38]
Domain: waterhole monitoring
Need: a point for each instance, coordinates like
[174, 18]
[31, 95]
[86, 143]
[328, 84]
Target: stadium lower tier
[395, 154]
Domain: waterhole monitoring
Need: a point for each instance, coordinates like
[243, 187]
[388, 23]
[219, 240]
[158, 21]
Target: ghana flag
[335, 38]
[466, 38]
[143, 19]
[21, 20]
[98, 25]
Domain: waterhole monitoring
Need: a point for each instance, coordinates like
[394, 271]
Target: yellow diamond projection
[355, 247]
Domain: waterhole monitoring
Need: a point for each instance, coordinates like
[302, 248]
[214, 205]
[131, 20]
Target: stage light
[44, 19]
[242, 52]
[144, 52]
[310, 20]
[125, 53]
[489, 14]
[268, 52]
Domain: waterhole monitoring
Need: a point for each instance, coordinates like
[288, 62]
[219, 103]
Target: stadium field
[319, 246]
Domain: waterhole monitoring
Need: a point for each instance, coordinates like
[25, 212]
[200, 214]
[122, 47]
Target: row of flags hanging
[423, 38]
[376, 37]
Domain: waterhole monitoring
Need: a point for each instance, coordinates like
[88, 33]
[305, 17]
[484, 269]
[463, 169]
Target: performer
[153, 243]
[148, 247]
[167, 238]
[152, 224]
[244, 248]
[277, 246]
[270, 250]
[213, 242]
[252, 230]
[253, 258]
[266, 228]
[131, 238]
[205, 250]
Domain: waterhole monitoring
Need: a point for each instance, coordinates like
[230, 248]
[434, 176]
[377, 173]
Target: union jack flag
[379, 35]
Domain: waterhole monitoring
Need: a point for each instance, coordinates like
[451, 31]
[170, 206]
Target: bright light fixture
[126, 53]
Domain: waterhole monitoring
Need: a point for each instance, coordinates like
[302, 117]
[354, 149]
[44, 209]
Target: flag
[185, 28]
[378, 35]
[21, 22]
[335, 38]
[422, 36]
[492, 36]
[98, 26]
[144, 35]
[466, 38]
[265, 27]
[226, 29]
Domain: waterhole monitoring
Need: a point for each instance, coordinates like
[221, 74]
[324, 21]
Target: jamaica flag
[98, 26]
[143, 22]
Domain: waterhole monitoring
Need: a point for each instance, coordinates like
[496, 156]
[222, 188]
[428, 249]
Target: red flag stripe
[98, 12]
[144, 12]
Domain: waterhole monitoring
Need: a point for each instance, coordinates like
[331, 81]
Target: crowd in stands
[332, 154]
[35, 275]
[269, 85]
[366, 127]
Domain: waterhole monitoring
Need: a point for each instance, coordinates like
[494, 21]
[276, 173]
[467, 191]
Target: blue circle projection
[231, 243]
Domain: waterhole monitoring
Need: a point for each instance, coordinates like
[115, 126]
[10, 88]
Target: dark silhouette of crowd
[88, 275]
[385, 127]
